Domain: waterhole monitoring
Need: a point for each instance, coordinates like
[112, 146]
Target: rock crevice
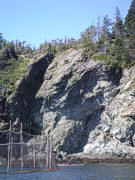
[21, 102]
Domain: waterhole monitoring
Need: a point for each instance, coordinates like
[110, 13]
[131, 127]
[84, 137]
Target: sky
[35, 21]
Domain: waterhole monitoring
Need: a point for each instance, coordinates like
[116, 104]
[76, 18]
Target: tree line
[13, 49]
[58, 45]
[109, 40]
[112, 41]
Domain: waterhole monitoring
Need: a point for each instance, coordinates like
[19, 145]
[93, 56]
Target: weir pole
[11, 155]
[34, 154]
[50, 153]
[22, 154]
[9, 149]
[47, 152]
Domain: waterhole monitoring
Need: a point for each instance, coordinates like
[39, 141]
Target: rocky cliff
[114, 136]
[86, 105]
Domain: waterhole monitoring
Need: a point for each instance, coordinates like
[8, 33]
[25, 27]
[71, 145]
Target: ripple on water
[88, 172]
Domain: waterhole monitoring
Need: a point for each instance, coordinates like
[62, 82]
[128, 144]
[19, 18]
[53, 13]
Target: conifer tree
[130, 20]
[118, 26]
[130, 31]
[2, 41]
[88, 39]
[105, 35]
[105, 32]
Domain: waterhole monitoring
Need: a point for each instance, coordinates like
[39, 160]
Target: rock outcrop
[73, 97]
[115, 135]
[20, 103]
[86, 105]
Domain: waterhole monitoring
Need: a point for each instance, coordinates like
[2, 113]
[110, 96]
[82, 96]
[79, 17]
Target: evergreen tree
[116, 49]
[105, 35]
[89, 34]
[88, 39]
[130, 31]
[130, 20]
[9, 50]
[98, 28]
[2, 41]
[105, 32]
[118, 26]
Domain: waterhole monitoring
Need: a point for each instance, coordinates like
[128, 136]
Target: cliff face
[115, 134]
[17, 107]
[87, 106]
[72, 98]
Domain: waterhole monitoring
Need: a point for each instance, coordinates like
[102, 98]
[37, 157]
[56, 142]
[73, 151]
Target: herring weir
[21, 152]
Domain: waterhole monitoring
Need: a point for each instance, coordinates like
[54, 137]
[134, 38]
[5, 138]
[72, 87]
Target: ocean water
[87, 172]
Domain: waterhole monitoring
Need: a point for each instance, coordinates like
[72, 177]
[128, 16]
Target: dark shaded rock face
[87, 106]
[21, 102]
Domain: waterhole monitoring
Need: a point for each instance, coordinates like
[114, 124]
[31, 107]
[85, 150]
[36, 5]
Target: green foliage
[118, 27]
[13, 71]
[9, 50]
[105, 30]
[2, 41]
[88, 49]
[87, 41]
[115, 43]
[130, 31]
[130, 20]
[110, 60]
[89, 34]
[12, 66]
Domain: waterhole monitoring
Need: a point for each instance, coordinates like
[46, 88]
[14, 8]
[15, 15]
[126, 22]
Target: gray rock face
[114, 136]
[72, 98]
[87, 106]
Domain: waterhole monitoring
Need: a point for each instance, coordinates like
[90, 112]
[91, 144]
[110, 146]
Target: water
[88, 172]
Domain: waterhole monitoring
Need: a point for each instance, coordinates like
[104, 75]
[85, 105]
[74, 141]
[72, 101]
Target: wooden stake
[21, 140]
[9, 149]
[50, 155]
[47, 153]
[34, 155]
[53, 157]
[8, 167]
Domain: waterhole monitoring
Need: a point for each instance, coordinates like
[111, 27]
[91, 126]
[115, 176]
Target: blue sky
[37, 20]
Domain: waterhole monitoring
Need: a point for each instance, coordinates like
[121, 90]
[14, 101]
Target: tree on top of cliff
[118, 26]
[105, 32]
[130, 31]
[2, 41]
[88, 40]
[130, 20]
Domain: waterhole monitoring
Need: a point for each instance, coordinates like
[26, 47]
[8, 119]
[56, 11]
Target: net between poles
[25, 152]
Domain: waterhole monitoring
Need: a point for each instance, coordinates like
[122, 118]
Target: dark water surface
[87, 172]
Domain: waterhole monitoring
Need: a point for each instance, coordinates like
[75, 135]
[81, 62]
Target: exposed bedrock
[114, 136]
[72, 98]
[86, 105]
